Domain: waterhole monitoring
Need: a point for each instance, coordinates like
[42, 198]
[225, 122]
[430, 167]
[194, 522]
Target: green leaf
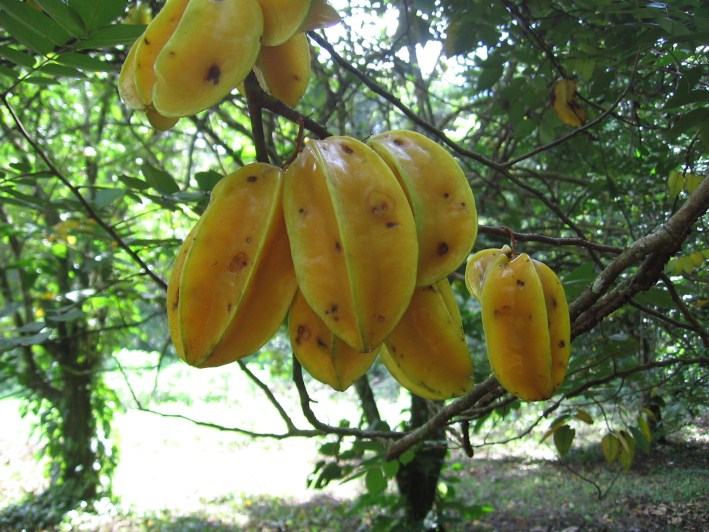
[36, 21]
[675, 184]
[60, 71]
[391, 468]
[34, 339]
[133, 182]
[627, 449]
[69, 19]
[563, 438]
[159, 179]
[17, 57]
[85, 62]
[584, 416]
[106, 196]
[610, 447]
[98, 13]
[375, 481]
[407, 457]
[207, 180]
[110, 36]
[32, 40]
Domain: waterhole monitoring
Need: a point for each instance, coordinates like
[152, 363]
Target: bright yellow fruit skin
[427, 352]
[151, 43]
[440, 196]
[322, 354]
[559, 321]
[353, 239]
[211, 51]
[477, 266]
[284, 70]
[282, 19]
[237, 279]
[565, 105]
[521, 315]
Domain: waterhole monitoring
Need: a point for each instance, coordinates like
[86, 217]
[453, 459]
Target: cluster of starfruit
[525, 318]
[195, 52]
[353, 244]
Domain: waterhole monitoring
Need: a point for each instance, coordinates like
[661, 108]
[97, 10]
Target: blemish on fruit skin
[391, 225]
[446, 195]
[381, 319]
[177, 299]
[146, 41]
[562, 344]
[338, 247]
[302, 211]
[520, 283]
[399, 142]
[213, 75]
[252, 179]
[321, 343]
[442, 249]
[303, 334]
[229, 306]
[238, 262]
[346, 149]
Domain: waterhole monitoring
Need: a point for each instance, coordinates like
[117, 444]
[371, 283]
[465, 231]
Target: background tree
[94, 204]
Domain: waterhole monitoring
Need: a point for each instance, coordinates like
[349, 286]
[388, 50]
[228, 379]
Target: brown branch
[550, 240]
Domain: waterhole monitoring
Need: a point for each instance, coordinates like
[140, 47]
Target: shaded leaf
[563, 438]
[159, 179]
[610, 447]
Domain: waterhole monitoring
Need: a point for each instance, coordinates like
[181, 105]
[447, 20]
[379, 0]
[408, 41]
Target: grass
[177, 476]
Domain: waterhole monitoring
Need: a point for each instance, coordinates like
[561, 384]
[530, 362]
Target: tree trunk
[418, 479]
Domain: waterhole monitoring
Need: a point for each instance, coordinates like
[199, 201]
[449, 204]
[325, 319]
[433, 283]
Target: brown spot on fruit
[238, 262]
[520, 283]
[249, 240]
[442, 249]
[391, 225]
[446, 195]
[252, 179]
[213, 75]
[229, 306]
[381, 319]
[303, 334]
[296, 77]
[146, 41]
[562, 344]
[554, 302]
[399, 142]
[177, 299]
[338, 247]
[380, 207]
[321, 343]
[302, 211]
[345, 148]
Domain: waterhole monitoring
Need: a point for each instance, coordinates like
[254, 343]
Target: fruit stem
[513, 242]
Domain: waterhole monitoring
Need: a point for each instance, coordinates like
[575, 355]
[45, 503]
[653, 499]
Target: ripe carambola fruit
[284, 70]
[440, 196]
[151, 43]
[282, 19]
[476, 268]
[213, 48]
[353, 239]
[563, 101]
[427, 352]
[233, 280]
[322, 354]
[527, 327]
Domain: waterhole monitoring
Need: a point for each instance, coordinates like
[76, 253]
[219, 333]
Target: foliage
[94, 204]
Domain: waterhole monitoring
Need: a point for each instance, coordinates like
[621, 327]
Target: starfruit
[322, 354]
[233, 280]
[353, 239]
[211, 51]
[284, 70]
[527, 327]
[284, 18]
[564, 102]
[427, 352]
[440, 196]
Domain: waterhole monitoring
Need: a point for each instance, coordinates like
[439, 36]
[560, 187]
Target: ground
[175, 476]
